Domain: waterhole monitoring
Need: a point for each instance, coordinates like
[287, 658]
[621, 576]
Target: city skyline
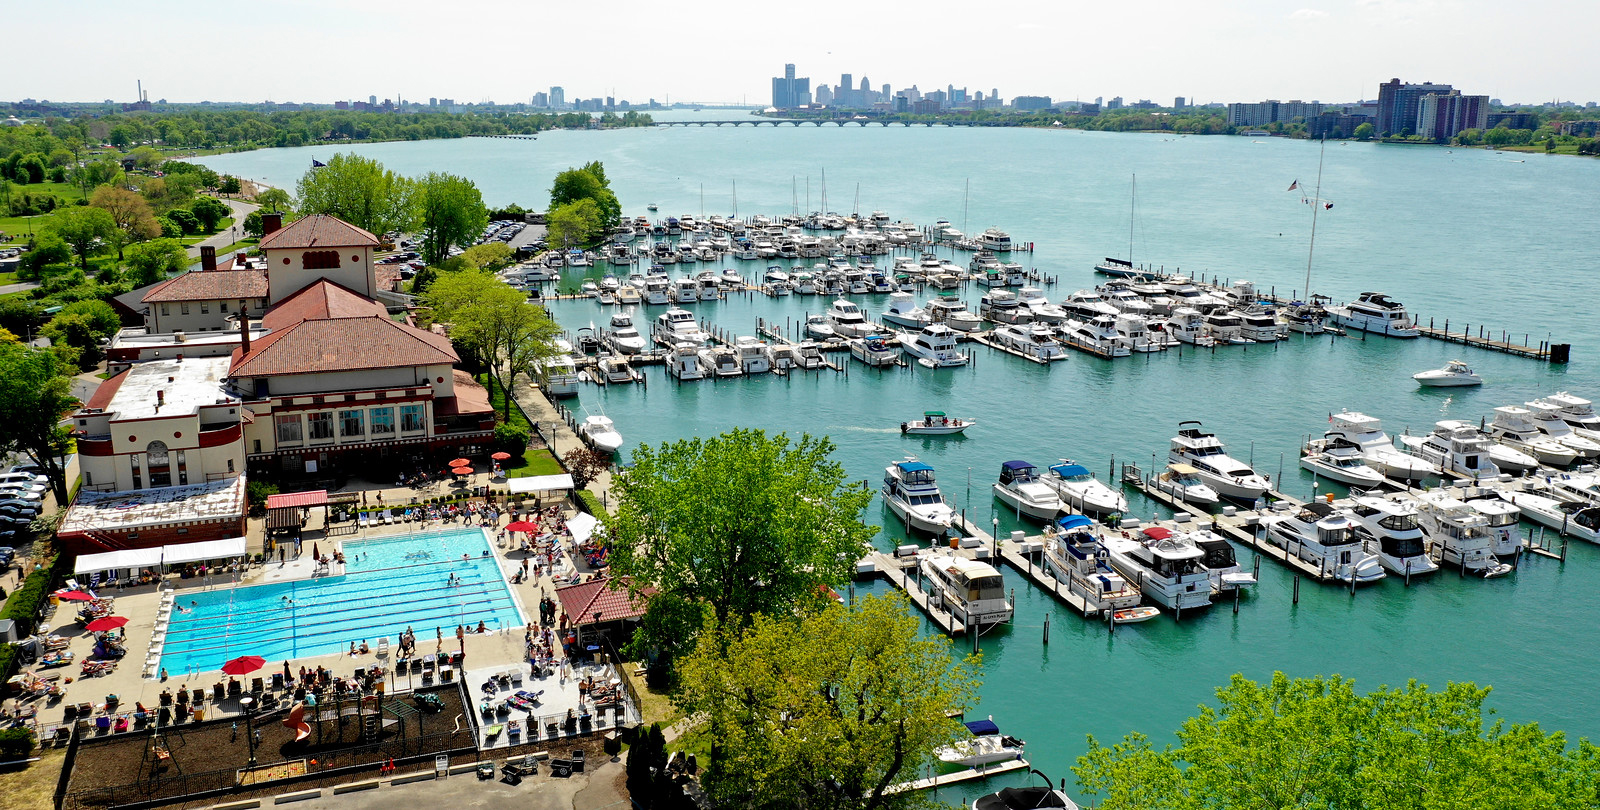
[1332, 51]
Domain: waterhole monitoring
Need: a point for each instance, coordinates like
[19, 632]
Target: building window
[411, 417]
[166, 310]
[183, 308]
[230, 465]
[183, 470]
[382, 421]
[205, 307]
[320, 260]
[350, 423]
[157, 460]
[88, 478]
[288, 429]
[222, 307]
[321, 425]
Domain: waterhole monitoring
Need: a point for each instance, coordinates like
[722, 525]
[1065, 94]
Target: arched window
[156, 461]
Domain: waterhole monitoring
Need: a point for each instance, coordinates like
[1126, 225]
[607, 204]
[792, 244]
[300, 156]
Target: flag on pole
[1294, 185]
[1327, 206]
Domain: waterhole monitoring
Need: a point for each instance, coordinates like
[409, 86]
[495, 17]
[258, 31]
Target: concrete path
[228, 236]
[594, 789]
[539, 409]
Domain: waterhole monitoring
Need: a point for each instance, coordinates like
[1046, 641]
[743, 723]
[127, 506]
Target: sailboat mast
[966, 203]
[736, 199]
[1133, 199]
[857, 204]
[702, 200]
[1316, 203]
[824, 191]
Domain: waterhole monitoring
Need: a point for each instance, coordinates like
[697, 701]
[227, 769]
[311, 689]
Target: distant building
[1397, 105]
[1441, 116]
[1252, 114]
[1178, 103]
[788, 91]
[1336, 124]
[540, 99]
[1514, 120]
[372, 101]
[1030, 102]
[1114, 103]
[927, 106]
[824, 96]
[341, 105]
[558, 98]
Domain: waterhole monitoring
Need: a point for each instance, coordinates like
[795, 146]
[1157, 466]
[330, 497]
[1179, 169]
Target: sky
[505, 50]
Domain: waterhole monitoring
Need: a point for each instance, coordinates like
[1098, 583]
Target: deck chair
[256, 687]
[364, 522]
[72, 585]
[383, 647]
[218, 692]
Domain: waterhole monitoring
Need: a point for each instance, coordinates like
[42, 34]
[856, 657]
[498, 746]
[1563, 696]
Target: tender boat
[1390, 530]
[1577, 412]
[1457, 448]
[1080, 490]
[1454, 374]
[902, 310]
[1230, 477]
[1375, 312]
[1078, 560]
[1513, 427]
[847, 320]
[935, 423]
[1030, 340]
[910, 491]
[614, 368]
[1547, 417]
[876, 350]
[1167, 568]
[1220, 562]
[1377, 448]
[985, 746]
[972, 591]
[1338, 459]
[601, 433]
[1020, 489]
[1025, 798]
[818, 327]
[934, 346]
[1324, 537]
[623, 337]
[1458, 534]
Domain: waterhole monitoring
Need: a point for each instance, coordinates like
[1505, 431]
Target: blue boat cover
[912, 466]
[981, 727]
[1016, 465]
[1074, 522]
[1070, 470]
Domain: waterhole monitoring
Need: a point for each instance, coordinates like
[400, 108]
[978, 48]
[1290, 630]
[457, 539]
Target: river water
[1506, 240]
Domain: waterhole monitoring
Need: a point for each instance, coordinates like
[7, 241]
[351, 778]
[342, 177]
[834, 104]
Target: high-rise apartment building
[1441, 116]
[1397, 105]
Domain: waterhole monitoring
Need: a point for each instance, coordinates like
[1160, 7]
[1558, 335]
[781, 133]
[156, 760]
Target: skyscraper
[1445, 115]
[558, 98]
[788, 91]
[1397, 105]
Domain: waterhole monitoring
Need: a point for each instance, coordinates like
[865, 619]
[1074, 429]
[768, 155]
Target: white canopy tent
[118, 560]
[158, 555]
[538, 483]
[582, 526]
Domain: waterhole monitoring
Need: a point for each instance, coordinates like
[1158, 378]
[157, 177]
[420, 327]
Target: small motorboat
[1134, 615]
[935, 423]
[986, 746]
[1183, 482]
[601, 432]
[1454, 374]
[1026, 798]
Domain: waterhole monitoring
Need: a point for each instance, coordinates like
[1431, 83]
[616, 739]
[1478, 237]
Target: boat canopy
[1070, 470]
[913, 466]
[933, 413]
[980, 728]
[1074, 522]
[1157, 533]
[1016, 465]
[1183, 469]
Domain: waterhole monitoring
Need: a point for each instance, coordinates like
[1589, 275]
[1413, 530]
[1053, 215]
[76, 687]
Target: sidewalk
[561, 438]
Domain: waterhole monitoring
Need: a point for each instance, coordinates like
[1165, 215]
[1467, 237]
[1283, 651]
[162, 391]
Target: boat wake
[859, 429]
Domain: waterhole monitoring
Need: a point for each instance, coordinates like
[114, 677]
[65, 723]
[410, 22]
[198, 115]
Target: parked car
[8, 555]
[19, 505]
[23, 476]
[22, 495]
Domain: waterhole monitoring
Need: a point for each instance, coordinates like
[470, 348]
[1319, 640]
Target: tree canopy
[129, 212]
[450, 213]
[153, 261]
[34, 397]
[85, 229]
[496, 322]
[587, 183]
[1316, 743]
[360, 191]
[574, 224]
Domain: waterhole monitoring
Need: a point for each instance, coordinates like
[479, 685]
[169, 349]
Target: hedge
[591, 503]
[23, 608]
[16, 743]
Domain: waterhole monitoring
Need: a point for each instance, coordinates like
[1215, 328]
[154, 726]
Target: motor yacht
[995, 240]
[1133, 332]
[984, 745]
[952, 312]
[560, 376]
[1547, 417]
[1504, 518]
[1187, 325]
[677, 326]
[1457, 534]
[731, 279]
[601, 432]
[1220, 562]
[1183, 482]
[1375, 312]
[818, 327]
[1031, 340]
[1455, 374]
[710, 285]
[1087, 305]
[1078, 560]
[1043, 311]
[1391, 531]
[911, 493]
[657, 290]
[1099, 336]
[876, 351]
[721, 361]
[1575, 518]
[1579, 413]
[628, 295]
[1080, 490]
[934, 346]
[1166, 567]
[847, 320]
[1513, 427]
[754, 356]
[808, 356]
[1230, 477]
[1002, 306]
[775, 281]
[622, 337]
[972, 591]
[936, 423]
[1226, 327]
[1338, 459]
[804, 283]
[683, 363]
[1020, 489]
[902, 310]
[1456, 448]
[1377, 448]
[1308, 318]
[1260, 324]
[1324, 537]
[614, 368]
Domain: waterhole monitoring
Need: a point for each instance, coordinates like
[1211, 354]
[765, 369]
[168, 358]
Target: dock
[1020, 558]
[968, 775]
[1485, 339]
[987, 339]
[894, 569]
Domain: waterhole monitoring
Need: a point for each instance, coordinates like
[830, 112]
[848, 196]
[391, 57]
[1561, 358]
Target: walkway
[224, 238]
[539, 409]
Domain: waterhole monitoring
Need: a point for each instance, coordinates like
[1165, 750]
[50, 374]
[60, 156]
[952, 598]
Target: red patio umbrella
[106, 623]
[501, 456]
[75, 596]
[461, 470]
[461, 462]
[522, 526]
[244, 664]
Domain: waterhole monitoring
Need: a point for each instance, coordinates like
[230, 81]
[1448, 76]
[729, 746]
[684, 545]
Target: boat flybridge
[1324, 537]
[902, 310]
[1167, 567]
[1504, 519]
[1458, 534]
[1375, 312]
[911, 493]
[1377, 448]
[1080, 490]
[1548, 418]
[1230, 477]
[1036, 341]
[676, 326]
[1338, 459]
[973, 591]
[847, 320]
[1513, 428]
[1390, 530]
[1077, 559]
[934, 346]
[1457, 448]
[623, 337]
[1577, 412]
[1020, 489]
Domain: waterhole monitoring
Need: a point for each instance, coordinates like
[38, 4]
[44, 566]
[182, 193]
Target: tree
[210, 212]
[85, 230]
[253, 225]
[742, 524]
[185, 219]
[274, 199]
[510, 334]
[829, 709]
[31, 169]
[1315, 742]
[585, 465]
[150, 262]
[450, 212]
[574, 224]
[130, 213]
[34, 398]
[488, 256]
[587, 183]
[229, 185]
[1364, 131]
[49, 251]
[359, 191]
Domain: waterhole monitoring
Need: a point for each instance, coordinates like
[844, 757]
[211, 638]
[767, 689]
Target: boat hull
[1017, 504]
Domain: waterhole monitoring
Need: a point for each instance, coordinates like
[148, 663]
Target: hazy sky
[505, 50]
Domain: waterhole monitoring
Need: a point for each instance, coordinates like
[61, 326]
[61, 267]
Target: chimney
[208, 258]
[161, 399]
[244, 326]
[270, 224]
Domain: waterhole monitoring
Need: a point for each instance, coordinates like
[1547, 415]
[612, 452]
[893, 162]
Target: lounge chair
[103, 722]
[364, 522]
[383, 647]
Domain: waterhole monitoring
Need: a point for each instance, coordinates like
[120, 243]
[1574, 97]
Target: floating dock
[968, 775]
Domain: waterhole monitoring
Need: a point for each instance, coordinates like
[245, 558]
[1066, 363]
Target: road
[225, 238]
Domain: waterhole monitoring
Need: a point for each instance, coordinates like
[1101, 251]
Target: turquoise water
[1473, 236]
[390, 584]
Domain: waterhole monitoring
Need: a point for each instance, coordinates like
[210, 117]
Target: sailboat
[1308, 316]
[1118, 268]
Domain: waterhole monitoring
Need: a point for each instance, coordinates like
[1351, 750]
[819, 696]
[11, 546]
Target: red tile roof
[341, 344]
[108, 389]
[211, 285]
[470, 397]
[607, 596]
[388, 277]
[319, 230]
[320, 300]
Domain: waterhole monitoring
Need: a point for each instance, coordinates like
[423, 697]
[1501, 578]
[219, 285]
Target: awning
[298, 500]
[118, 560]
[158, 555]
[539, 483]
[582, 526]
[204, 550]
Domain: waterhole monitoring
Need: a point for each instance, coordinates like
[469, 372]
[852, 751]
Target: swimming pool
[389, 584]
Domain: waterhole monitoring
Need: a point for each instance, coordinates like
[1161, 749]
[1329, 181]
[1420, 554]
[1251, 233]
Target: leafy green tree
[150, 262]
[827, 710]
[1364, 132]
[102, 171]
[49, 251]
[1315, 742]
[574, 224]
[450, 213]
[85, 230]
[185, 219]
[497, 322]
[20, 316]
[129, 212]
[252, 224]
[488, 256]
[229, 185]
[31, 169]
[145, 157]
[782, 525]
[587, 183]
[34, 398]
[361, 192]
[210, 212]
[169, 228]
[274, 199]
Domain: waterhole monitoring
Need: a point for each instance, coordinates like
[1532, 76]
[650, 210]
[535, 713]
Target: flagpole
[1316, 203]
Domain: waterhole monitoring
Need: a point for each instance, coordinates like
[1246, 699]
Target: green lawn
[223, 226]
[536, 462]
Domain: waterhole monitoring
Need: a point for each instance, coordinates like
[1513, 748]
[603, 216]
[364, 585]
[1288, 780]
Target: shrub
[511, 439]
[257, 492]
[16, 743]
[591, 503]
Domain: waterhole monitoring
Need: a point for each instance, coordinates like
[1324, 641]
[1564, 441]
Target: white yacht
[560, 376]
[1133, 332]
[1167, 568]
[1230, 477]
[1260, 324]
[1020, 489]
[1078, 560]
[754, 356]
[1118, 294]
[1220, 562]
[911, 493]
[1080, 490]
[1513, 428]
[657, 290]
[1504, 518]
[775, 281]
[1455, 374]
[1324, 537]
[683, 363]
[818, 327]
[876, 350]
[972, 591]
[1547, 417]
[1374, 312]
[995, 240]
[934, 346]
[614, 368]
[1226, 327]
[721, 361]
[1183, 482]
[1189, 326]
[1043, 311]
[628, 295]
[1086, 305]
[1377, 448]
[984, 745]
[847, 320]
[623, 338]
[902, 310]
[804, 283]
[710, 285]
[952, 312]
[1099, 336]
[1579, 413]
[1581, 520]
[1032, 340]
[1458, 534]
[1338, 459]
[1002, 306]
[1457, 448]
[601, 433]
[1390, 530]
[677, 326]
